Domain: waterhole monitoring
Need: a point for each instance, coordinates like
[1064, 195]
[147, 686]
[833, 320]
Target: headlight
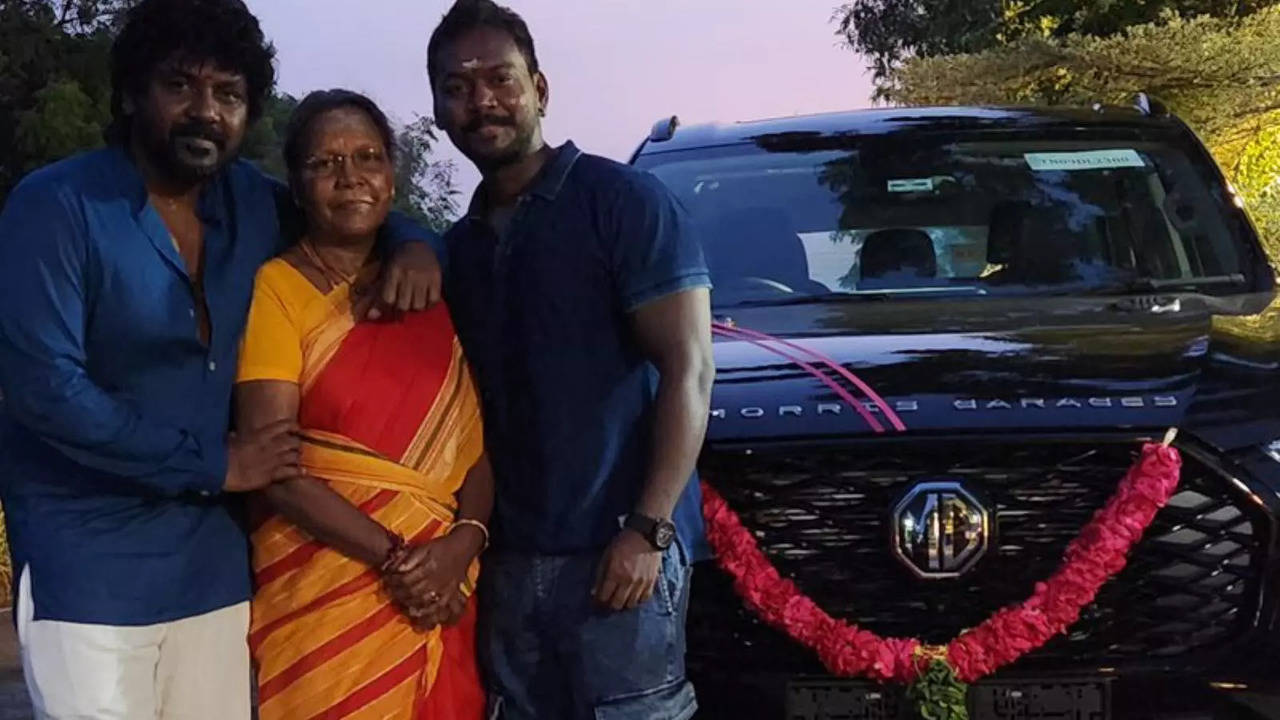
[1273, 449]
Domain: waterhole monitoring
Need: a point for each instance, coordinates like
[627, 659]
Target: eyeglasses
[362, 161]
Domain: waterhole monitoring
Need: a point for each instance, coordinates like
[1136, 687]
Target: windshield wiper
[855, 295]
[804, 299]
[1141, 285]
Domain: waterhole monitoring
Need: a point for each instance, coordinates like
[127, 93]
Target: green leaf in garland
[938, 694]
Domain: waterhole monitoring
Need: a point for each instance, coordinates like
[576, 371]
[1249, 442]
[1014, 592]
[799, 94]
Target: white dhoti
[194, 668]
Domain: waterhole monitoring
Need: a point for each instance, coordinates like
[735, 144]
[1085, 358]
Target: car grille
[821, 515]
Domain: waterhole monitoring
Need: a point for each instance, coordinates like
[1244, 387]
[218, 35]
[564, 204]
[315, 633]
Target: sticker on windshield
[1085, 160]
[910, 185]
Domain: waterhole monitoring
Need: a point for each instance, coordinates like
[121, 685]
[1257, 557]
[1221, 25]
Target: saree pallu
[390, 422]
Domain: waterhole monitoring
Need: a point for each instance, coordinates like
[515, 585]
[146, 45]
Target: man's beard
[190, 153]
[512, 153]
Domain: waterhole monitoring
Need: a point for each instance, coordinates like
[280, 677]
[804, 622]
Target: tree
[264, 144]
[63, 121]
[424, 187]
[1257, 174]
[55, 92]
[889, 32]
[1220, 75]
[54, 80]
[75, 16]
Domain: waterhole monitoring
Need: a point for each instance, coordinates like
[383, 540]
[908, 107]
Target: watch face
[663, 534]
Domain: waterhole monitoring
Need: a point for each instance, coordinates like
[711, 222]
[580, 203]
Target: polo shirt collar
[547, 184]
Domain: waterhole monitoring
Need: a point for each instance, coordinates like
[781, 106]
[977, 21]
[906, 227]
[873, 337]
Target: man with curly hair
[125, 277]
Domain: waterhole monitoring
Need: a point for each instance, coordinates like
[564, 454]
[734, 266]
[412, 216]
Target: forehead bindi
[482, 50]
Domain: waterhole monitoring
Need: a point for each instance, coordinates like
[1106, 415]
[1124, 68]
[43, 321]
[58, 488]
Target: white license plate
[1073, 699]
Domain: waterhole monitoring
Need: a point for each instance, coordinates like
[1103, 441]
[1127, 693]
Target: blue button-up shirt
[543, 312]
[113, 431]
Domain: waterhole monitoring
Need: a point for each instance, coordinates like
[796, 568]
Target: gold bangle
[475, 524]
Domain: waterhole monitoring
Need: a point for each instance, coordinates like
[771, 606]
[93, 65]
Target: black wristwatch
[659, 533]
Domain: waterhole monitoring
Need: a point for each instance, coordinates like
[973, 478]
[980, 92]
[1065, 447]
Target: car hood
[992, 365]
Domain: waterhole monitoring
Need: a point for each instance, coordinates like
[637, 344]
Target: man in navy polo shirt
[582, 301]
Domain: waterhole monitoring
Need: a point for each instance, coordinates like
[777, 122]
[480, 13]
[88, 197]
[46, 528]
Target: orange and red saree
[391, 422]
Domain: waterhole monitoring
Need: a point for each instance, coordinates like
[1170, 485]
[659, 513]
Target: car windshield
[979, 214]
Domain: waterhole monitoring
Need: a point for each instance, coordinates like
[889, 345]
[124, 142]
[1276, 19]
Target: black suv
[1032, 293]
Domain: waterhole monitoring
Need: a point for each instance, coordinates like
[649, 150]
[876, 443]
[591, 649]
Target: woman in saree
[364, 566]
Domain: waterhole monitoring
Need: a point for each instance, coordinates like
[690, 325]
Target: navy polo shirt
[544, 314]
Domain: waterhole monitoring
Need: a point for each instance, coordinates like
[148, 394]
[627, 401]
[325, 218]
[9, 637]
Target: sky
[614, 66]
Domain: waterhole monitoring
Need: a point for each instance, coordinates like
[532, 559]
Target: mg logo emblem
[940, 530]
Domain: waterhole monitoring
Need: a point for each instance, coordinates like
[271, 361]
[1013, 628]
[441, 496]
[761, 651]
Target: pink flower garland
[1093, 558]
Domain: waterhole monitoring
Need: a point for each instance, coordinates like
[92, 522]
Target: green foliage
[54, 80]
[1220, 75]
[938, 694]
[55, 93]
[891, 31]
[75, 17]
[1257, 178]
[64, 120]
[1214, 73]
[264, 143]
[424, 187]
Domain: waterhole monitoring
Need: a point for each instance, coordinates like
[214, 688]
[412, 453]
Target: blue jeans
[549, 651]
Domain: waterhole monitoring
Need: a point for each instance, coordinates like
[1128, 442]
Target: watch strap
[648, 528]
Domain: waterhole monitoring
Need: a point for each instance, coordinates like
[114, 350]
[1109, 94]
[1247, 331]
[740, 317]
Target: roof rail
[1148, 105]
[664, 129]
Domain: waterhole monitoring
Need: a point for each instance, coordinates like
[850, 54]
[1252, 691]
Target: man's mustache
[484, 120]
[198, 131]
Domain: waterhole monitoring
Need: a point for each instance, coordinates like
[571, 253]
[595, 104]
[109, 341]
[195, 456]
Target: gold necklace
[331, 275]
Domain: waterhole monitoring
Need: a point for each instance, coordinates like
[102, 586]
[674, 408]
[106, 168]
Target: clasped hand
[426, 581]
